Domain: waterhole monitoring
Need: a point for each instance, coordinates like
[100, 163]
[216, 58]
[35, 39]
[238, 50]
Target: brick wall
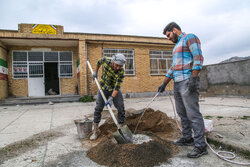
[142, 81]
[3, 83]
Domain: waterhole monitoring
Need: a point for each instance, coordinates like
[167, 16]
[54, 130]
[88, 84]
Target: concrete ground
[45, 135]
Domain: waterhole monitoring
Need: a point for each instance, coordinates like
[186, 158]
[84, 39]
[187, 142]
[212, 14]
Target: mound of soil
[156, 124]
[152, 121]
[130, 155]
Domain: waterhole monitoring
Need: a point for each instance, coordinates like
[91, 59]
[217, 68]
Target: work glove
[94, 75]
[192, 84]
[109, 102]
[162, 87]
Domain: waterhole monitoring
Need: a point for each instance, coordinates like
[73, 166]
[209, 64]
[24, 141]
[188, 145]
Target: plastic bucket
[84, 127]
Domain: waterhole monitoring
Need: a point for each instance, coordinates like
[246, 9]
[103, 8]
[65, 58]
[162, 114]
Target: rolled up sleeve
[170, 73]
[194, 46]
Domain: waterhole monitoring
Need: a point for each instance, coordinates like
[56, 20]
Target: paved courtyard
[45, 135]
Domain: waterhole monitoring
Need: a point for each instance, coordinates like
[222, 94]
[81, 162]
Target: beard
[175, 38]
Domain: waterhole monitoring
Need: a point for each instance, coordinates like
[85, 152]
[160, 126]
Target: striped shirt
[110, 79]
[187, 56]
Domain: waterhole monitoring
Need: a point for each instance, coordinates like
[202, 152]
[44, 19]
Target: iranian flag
[3, 70]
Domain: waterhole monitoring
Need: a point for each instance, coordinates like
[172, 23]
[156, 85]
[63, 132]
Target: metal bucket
[84, 127]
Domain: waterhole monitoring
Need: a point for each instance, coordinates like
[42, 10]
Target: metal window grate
[19, 66]
[19, 56]
[35, 56]
[35, 70]
[160, 61]
[65, 56]
[66, 70]
[128, 53]
[20, 70]
[66, 64]
[51, 56]
[30, 63]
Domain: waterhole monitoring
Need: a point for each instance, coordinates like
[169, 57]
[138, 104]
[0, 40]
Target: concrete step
[39, 100]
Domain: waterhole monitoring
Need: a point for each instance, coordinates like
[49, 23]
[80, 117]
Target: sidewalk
[49, 136]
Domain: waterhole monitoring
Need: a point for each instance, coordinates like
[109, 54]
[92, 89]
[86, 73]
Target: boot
[197, 152]
[184, 142]
[94, 135]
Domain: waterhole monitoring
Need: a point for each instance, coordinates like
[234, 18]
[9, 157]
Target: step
[38, 100]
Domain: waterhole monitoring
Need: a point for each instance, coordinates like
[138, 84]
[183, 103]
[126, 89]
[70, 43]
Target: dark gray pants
[187, 107]
[118, 103]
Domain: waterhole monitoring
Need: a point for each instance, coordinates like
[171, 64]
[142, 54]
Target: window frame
[25, 63]
[127, 55]
[161, 56]
[60, 63]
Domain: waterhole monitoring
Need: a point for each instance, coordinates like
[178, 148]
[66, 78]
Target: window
[51, 56]
[128, 53]
[19, 67]
[30, 63]
[35, 70]
[35, 64]
[66, 64]
[160, 62]
[35, 56]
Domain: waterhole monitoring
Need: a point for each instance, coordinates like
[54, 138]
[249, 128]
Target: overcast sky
[223, 26]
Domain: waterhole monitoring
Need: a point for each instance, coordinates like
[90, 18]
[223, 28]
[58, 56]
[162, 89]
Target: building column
[83, 89]
[3, 72]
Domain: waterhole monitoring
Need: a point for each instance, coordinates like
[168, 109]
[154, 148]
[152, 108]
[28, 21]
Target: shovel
[123, 134]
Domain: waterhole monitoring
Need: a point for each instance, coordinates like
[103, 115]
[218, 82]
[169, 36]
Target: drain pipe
[86, 52]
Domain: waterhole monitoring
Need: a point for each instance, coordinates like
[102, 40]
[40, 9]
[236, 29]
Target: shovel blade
[123, 135]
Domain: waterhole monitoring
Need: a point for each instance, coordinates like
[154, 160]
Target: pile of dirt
[155, 124]
[130, 155]
[152, 121]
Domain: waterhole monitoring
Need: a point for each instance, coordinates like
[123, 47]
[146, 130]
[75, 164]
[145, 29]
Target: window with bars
[19, 67]
[160, 62]
[66, 64]
[128, 53]
[35, 70]
[35, 61]
[30, 63]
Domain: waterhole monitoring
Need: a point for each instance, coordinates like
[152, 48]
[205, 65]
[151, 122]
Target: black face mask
[175, 38]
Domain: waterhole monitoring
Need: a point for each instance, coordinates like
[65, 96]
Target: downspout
[86, 48]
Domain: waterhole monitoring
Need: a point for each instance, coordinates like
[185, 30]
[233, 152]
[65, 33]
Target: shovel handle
[104, 98]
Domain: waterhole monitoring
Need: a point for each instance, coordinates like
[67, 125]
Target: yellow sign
[43, 29]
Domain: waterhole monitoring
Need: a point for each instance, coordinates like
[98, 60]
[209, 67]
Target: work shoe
[184, 142]
[197, 152]
[94, 135]
[95, 132]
